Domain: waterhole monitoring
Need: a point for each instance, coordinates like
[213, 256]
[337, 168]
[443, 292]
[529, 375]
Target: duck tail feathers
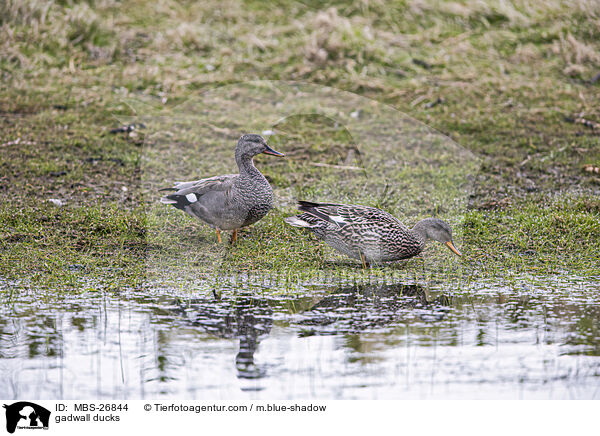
[297, 222]
[318, 210]
[178, 201]
[306, 205]
[303, 205]
[167, 200]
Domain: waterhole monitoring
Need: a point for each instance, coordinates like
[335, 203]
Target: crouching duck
[230, 201]
[367, 233]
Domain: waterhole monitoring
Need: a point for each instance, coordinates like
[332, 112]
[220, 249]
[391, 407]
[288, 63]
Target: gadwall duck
[231, 201]
[367, 233]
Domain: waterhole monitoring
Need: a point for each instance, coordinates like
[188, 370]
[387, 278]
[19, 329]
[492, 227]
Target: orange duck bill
[451, 246]
[272, 152]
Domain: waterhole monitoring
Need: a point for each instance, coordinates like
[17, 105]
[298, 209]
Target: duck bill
[453, 248]
[272, 152]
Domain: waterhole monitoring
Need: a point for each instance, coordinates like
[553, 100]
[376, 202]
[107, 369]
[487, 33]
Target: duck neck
[420, 230]
[246, 166]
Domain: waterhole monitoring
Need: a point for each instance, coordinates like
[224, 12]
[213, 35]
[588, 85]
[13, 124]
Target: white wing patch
[338, 219]
[296, 222]
[191, 198]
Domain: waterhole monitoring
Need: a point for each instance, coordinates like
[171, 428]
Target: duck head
[250, 145]
[438, 230]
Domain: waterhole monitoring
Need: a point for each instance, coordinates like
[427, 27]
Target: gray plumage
[230, 201]
[367, 233]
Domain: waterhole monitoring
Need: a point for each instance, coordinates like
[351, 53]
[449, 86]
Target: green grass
[505, 80]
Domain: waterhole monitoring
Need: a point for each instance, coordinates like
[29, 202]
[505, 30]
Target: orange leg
[219, 235]
[364, 262]
[233, 237]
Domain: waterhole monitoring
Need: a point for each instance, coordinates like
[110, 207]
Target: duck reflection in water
[245, 318]
[353, 309]
[364, 307]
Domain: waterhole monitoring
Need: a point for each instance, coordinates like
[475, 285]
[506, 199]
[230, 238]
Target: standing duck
[367, 233]
[231, 201]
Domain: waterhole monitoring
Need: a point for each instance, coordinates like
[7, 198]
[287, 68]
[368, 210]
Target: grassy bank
[515, 83]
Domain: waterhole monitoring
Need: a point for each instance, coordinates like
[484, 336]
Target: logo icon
[26, 415]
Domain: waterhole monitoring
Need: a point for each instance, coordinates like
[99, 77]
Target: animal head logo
[24, 414]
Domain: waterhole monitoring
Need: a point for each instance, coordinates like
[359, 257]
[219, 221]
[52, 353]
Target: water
[348, 341]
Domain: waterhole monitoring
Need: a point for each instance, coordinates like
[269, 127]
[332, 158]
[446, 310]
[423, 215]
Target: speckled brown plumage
[367, 233]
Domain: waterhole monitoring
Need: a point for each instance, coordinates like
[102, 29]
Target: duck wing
[343, 215]
[190, 192]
